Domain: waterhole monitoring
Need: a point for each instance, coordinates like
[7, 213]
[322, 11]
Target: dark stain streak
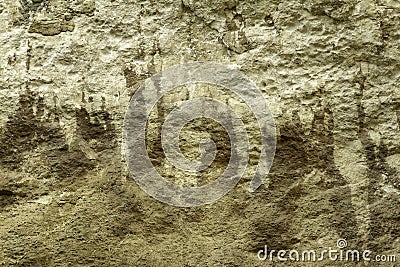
[7, 197]
[25, 131]
[377, 169]
[132, 79]
[29, 130]
[29, 56]
[96, 127]
[6, 193]
[297, 155]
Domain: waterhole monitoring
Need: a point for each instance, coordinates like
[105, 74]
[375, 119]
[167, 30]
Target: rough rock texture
[330, 70]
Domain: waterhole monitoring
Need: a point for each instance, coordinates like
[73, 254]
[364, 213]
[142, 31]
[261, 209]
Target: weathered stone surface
[50, 28]
[330, 70]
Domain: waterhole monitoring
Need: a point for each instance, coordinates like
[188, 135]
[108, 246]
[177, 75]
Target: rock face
[329, 69]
